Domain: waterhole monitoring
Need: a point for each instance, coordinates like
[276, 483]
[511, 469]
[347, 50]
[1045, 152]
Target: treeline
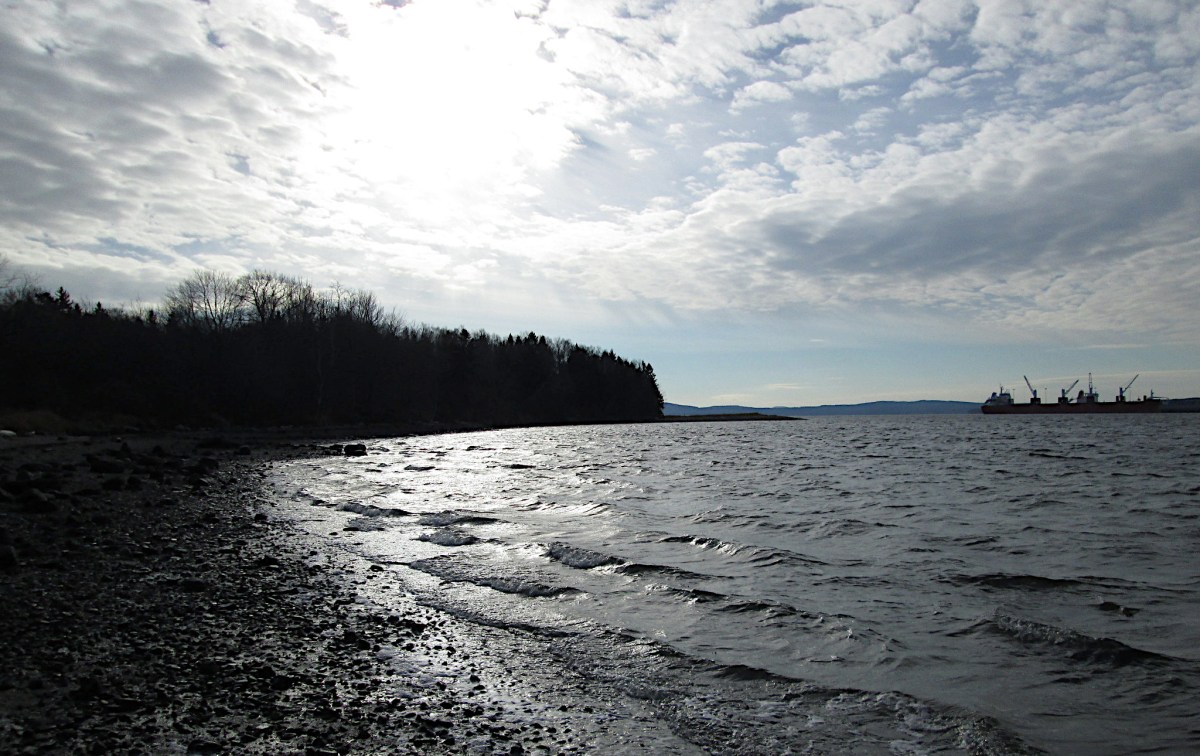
[267, 349]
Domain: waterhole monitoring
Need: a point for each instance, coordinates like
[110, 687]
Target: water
[922, 584]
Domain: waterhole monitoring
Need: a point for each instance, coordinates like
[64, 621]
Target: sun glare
[448, 109]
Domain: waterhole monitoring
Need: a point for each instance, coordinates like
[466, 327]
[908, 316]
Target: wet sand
[154, 603]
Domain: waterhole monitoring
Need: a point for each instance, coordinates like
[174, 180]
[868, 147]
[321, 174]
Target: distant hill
[922, 407]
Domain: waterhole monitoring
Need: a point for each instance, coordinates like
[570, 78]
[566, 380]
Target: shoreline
[165, 595]
[155, 604]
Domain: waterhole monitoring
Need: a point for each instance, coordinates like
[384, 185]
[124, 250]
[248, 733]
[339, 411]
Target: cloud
[760, 92]
[995, 164]
[120, 118]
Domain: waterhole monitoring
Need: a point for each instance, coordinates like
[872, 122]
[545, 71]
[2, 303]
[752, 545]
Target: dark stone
[105, 465]
[412, 627]
[38, 502]
[355, 450]
[88, 688]
[205, 465]
[8, 558]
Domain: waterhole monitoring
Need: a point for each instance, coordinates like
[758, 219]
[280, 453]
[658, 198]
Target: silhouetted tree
[207, 300]
[265, 348]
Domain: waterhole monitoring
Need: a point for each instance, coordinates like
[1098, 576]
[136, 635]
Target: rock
[105, 465]
[355, 450]
[8, 558]
[37, 501]
[205, 465]
[89, 688]
[216, 442]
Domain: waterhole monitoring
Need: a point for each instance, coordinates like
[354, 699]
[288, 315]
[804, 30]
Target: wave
[1014, 582]
[450, 517]
[448, 537]
[718, 704]
[691, 595]
[513, 584]
[746, 672]
[1047, 454]
[1078, 646]
[579, 558]
[583, 509]
[638, 569]
[701, 541]
[1023, 582]
[365, 525]
[770, 608]
[370, 510]
[758, 555]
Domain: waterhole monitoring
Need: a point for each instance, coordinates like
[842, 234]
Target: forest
[265, 349]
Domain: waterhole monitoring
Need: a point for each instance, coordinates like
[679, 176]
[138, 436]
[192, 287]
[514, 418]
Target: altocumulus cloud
[994, 163]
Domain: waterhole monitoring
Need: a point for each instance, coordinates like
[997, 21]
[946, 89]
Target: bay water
[889, 584]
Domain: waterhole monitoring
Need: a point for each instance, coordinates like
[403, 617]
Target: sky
[773, 203]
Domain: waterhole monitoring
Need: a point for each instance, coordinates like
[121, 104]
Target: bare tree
[14, 284]
[302, 303]
[265, 294]
[208, 300]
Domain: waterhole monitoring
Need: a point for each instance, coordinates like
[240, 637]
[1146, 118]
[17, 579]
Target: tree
[265, 295]
[208, 300]
[265, 348]
[16, 285]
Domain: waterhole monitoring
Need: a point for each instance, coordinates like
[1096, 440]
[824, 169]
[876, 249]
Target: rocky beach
[154, 604]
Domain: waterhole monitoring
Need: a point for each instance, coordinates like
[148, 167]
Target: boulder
[8, 558]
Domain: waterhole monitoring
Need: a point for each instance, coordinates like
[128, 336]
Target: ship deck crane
[1033, 391]
[1121, 391]
[1064, 398]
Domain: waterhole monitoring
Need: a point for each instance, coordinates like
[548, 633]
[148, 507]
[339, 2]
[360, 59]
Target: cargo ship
[1084, 403]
